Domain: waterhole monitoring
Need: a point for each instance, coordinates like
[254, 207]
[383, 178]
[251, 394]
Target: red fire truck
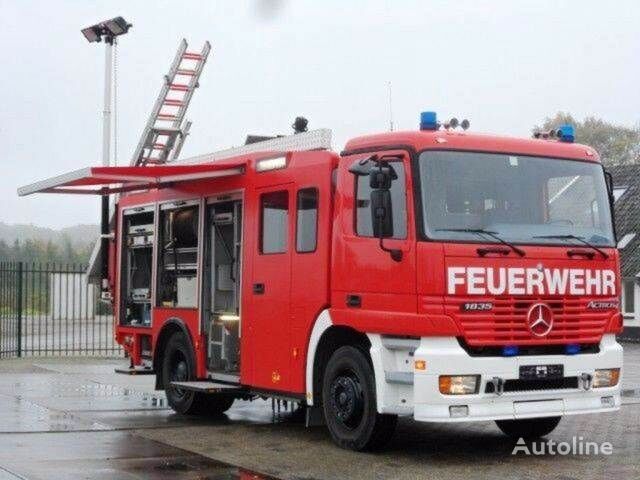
[435, 273]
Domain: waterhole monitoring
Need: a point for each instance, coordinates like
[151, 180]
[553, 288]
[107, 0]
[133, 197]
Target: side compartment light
[267, 164]
[566, 133]
[428, 121]
[606, 377]
[420, 365]
[458, 384]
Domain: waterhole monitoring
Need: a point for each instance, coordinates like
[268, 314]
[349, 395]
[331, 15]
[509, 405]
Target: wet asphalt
[76, 419]
[70, 418]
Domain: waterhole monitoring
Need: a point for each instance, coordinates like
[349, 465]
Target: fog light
[608, 402]
[457, 411]
[458, 384]
[606, 377]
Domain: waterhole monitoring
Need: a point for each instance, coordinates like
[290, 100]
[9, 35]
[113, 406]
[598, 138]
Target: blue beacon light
[566, 133]
[510, 350]
[572, 348]
[428, 121]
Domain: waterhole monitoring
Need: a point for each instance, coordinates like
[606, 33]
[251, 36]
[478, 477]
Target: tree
[616, 144]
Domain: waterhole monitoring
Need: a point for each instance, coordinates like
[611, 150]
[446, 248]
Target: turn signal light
[458, 384]
[420, 365]
[606, 377]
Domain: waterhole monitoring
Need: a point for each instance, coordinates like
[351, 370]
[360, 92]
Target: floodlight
[117, 26]
[91, 34]
[300, 125]
[106, 30]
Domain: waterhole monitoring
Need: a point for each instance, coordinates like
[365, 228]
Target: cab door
[268, 313]
[370, 289]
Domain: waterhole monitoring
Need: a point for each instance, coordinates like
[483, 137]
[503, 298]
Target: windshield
[520, 198]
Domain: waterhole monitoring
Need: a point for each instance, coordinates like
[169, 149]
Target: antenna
[390, 108]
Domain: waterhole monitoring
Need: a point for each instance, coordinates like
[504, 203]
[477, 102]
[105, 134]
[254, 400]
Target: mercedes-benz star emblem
[540, 319]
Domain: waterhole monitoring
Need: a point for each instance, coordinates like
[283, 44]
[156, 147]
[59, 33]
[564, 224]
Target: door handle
[354, 301]
[258, 288]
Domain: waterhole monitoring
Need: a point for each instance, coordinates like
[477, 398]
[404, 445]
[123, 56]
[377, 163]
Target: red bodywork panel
[275, 326]
[411, 298]
[457, 140]
[405, 298]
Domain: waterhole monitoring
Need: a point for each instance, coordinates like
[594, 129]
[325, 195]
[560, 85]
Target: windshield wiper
[481, 231]
[570, 236]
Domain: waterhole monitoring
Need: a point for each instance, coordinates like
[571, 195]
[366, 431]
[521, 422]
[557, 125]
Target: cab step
[208, 387]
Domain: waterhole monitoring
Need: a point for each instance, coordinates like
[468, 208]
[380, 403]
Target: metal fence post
[19, 307]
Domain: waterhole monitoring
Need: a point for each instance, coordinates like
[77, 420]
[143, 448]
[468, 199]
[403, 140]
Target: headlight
[459, 384]
[606, 377]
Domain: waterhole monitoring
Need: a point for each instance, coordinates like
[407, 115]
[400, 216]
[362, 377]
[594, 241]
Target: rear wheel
[349, 402]
[528, 428]
[178, 366]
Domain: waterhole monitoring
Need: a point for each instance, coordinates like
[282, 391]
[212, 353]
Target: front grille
[566, 383]
[506, 322]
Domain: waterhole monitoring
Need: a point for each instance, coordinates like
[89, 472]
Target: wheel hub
[347, 400]
[180, 373]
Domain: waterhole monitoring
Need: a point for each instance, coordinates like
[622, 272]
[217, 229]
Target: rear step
[208, 387]
[137, 370]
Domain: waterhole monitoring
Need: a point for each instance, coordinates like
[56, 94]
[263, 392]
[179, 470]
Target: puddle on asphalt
[108, 455]
[207, 470]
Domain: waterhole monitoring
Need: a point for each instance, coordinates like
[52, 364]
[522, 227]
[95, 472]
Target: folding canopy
[106, 180]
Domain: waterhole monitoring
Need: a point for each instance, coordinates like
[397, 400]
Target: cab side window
[274, 222]
[363, 221]
[307, 220]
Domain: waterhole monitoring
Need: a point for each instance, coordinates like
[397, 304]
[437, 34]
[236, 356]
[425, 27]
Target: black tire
[529, 428]
[213, 404]
[178, 365]
[349, 402]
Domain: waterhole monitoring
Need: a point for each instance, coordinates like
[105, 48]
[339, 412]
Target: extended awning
[105, 180]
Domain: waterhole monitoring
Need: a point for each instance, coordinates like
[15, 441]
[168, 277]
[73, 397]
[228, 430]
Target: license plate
[532, 372]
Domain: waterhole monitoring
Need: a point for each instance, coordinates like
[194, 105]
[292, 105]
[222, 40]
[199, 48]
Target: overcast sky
[505, 65]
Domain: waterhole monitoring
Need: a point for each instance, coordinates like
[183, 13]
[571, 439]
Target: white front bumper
[444, 356]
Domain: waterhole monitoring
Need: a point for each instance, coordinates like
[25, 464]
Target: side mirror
[610, 186]
[609, 179]
[381, 213]
[380, 177]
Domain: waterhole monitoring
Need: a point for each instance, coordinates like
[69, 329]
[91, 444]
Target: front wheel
[528, 428]
[349, 402]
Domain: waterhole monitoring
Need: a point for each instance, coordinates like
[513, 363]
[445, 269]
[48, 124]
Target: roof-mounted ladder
[166, 129]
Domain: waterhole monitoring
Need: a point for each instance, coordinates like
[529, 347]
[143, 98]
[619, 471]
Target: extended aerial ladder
[166, 130]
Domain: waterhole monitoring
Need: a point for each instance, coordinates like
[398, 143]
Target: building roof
[627, 211]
